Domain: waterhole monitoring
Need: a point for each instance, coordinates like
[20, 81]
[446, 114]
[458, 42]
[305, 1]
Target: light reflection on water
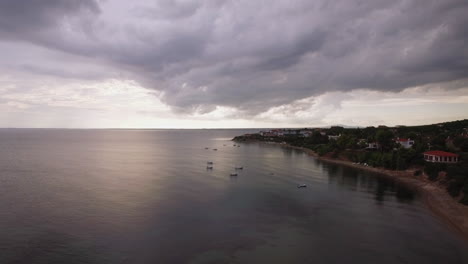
[143, 196]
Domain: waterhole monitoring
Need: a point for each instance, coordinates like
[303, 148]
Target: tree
[385, 139]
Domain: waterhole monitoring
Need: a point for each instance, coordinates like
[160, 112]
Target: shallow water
[145, 196]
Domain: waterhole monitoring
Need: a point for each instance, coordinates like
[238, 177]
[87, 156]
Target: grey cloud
[168, 9]
[253, 55]
[18, 19]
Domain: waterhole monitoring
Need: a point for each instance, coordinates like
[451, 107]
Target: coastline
[436, 198]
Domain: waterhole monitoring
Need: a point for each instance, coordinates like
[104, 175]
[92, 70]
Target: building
[438, 156]
[268, 134]
[306, 132]
[272, 133]
[405, 142]
[373, 145]
[291, 132]
[332, 137]
[277, 132]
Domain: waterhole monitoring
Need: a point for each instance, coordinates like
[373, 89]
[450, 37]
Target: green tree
[385, 139]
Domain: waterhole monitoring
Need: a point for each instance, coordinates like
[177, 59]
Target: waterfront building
[438, 156]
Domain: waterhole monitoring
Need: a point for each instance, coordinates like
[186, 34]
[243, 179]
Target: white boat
[209, 162]
[233, 174]
[239, 168]
[301, 186]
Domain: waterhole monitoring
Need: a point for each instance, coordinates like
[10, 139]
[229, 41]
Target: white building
[373, 145]
[405, 142]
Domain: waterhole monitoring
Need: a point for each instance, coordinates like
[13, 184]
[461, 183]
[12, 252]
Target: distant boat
[209, 162]
[215, 149]
[233, 174]
[238, 146]
[239, 168]
[301, 186]
[206, 148]
[209, 167]
[234, 145]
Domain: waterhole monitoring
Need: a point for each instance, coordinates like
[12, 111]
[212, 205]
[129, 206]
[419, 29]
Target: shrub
[432, 170]
[454, 188]
[464, 200]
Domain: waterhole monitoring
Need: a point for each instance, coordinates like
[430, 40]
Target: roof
[440, 153]
[403, 139]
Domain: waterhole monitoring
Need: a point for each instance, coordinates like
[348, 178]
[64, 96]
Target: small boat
[215, 149]
[239, 168]
[234, 145]
[238, 146]
[301, 186]
[209, 167]
[209, 162]
[206, 148]
[233, 174]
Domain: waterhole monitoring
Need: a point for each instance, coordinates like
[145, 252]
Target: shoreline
[435, 198]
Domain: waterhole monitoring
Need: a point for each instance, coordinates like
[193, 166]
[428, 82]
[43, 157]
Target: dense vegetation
[352, 144]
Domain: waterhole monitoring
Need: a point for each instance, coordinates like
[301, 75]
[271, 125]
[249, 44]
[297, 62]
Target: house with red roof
[405, 142]
[438, 156]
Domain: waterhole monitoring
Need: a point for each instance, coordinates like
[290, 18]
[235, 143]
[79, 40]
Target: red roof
[440, 153]
[403, 139]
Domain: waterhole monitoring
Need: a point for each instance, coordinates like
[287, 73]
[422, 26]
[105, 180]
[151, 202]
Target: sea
[147, 196]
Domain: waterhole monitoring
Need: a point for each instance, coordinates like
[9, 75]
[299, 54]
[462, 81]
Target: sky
[232, 64]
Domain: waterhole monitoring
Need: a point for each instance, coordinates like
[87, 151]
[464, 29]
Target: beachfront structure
[291, 132]
[332, 137]
[306, 133]
[268, 134]
[286, 132]
[405, 142]
[438, 156]
[272, 133]
[373, 145]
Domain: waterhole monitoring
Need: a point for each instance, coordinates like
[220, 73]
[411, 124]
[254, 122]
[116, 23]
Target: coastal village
[435, 153]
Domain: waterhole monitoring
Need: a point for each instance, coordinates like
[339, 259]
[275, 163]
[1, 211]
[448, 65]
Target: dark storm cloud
[21, 19]
[253, 55]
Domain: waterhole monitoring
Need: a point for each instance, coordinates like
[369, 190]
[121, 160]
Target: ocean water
[145, 196]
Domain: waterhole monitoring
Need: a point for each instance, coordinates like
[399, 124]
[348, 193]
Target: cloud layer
[252, 56]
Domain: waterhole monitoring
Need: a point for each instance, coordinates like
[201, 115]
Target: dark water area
[145, 196]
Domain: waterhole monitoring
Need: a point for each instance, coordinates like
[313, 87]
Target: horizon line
[219, 128]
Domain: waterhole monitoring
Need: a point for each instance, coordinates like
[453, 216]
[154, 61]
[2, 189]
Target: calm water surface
[145, 196]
